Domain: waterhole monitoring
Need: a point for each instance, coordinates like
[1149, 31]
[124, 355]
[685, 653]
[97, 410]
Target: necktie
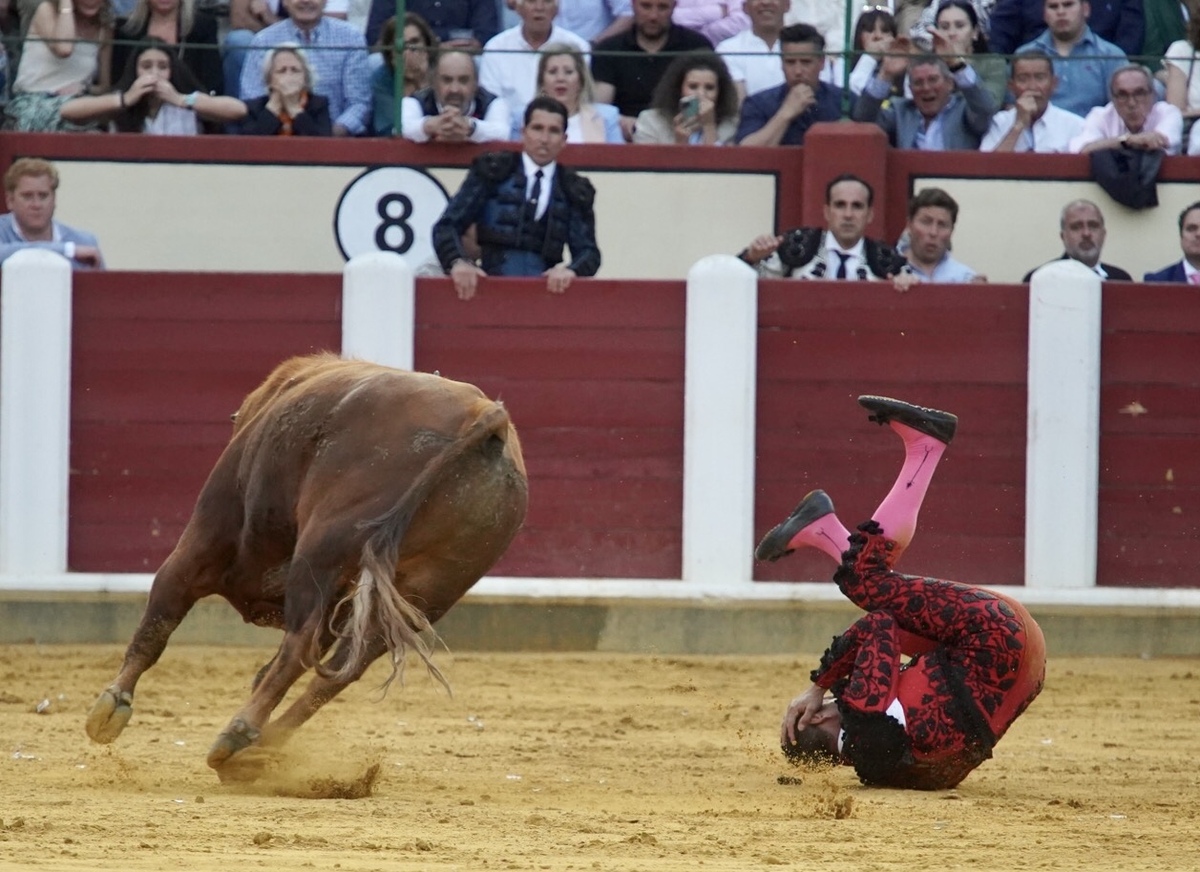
[536, 193]
[1194, 279]
[841, 270]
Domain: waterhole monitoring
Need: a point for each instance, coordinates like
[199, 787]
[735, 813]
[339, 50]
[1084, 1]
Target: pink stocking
[826, 534]
[897, 514]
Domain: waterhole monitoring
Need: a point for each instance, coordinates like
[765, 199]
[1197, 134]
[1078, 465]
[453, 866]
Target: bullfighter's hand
[762, 246]
[559, 278]
[800, 713]
[466, 278]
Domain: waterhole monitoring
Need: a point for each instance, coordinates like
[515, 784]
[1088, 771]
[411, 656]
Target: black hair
[849, 177]
[1184, 213]
[132, 119]
[546, 104]
[980, 44]
[802, 33]
[937, 198]
[866, 24]
[669, 88]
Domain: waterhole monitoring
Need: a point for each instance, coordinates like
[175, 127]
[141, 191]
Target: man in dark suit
[1081, 228]
[525, 207]
[952, 96]
[1187, 270]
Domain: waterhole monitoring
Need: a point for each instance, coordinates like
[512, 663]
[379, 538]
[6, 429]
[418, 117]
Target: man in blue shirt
[1017, 22]
[782, 115]
[338, 57]
[457, 23]
[30, 191]
[932, 214]
[1083, 62]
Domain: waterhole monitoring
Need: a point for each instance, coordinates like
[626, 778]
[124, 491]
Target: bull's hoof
[109, 715]
[236, 738]
[248, 765]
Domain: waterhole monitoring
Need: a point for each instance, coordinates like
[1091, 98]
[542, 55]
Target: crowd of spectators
[997, 75]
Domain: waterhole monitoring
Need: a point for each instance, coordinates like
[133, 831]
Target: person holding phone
[695, 103]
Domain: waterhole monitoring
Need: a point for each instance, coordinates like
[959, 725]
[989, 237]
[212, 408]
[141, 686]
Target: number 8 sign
[390, 209]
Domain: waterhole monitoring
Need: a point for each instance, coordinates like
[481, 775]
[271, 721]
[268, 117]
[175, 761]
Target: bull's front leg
[114, 707]
[178, 585]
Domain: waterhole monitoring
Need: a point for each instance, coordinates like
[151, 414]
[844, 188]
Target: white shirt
[531, 171]
[496, 123]
[751, 61]
[1050, 134]
[509, 64]
[834, 260]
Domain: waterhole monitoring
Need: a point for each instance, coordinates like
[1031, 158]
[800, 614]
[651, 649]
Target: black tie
[841, 271]
[536, 193]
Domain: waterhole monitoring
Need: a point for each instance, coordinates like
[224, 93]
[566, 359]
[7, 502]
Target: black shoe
[816, 504]
[931, 422]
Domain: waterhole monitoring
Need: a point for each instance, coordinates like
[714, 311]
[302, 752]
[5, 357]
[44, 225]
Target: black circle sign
[390, 209]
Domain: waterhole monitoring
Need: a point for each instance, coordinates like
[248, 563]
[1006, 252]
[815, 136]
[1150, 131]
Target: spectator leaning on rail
[509, 64]
[937, 117]
[1015, 23]
[525, 207]
[627, 67]
[456, 108]
[1034, 123]
[338, 56]
[1081, 227]
[1188, 269]
[1083, 61]
[1135, 119]
[30, 190]
[783, 115]
[840, 252]
[932, 214]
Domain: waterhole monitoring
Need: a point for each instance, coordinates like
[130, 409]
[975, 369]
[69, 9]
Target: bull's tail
[377, 607]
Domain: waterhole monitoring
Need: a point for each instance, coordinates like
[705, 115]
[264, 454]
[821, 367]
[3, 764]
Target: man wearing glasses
[1134, 119]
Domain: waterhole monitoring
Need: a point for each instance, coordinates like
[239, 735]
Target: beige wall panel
[257, 218]
[1007, 227]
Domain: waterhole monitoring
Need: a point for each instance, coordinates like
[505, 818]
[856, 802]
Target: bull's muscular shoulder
[577, 188]
[496, 166]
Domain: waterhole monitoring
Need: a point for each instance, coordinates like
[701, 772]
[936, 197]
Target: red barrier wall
[1149, 421]
[594, 380]
[961, 348]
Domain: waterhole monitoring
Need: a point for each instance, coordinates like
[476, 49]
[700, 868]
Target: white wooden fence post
[719, 407]
[35, 412]
[1063, 442]
[378, 299]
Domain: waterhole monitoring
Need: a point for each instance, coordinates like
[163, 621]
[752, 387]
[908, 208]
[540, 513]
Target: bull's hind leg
[179, 583]
[311, 588]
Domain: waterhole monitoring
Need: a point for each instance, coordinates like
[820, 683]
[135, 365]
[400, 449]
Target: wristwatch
[190, 100]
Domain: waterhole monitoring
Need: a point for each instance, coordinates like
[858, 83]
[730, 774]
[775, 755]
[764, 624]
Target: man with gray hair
[950, 109]
[1134, 118]
[1081, 227]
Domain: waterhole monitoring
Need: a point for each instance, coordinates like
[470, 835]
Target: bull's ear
[233, 417]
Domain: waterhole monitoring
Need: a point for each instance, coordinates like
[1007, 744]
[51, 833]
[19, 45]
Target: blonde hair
[310, 77]
[29, 166]
[562, 48]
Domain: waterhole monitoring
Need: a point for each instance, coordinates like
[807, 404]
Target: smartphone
[690, 106]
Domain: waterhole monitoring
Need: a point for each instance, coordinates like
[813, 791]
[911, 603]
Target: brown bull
[353, 506]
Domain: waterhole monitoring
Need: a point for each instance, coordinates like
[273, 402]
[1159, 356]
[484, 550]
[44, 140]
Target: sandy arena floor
[583, 761]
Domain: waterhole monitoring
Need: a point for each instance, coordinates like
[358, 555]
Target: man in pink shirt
[1133, 119]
